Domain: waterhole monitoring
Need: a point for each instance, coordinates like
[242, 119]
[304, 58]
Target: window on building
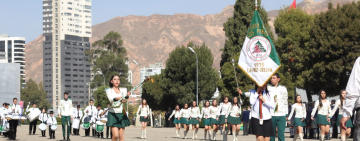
[67, 64]
[69, 8]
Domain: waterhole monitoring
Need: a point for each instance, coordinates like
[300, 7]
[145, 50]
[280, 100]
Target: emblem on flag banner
[258, 58]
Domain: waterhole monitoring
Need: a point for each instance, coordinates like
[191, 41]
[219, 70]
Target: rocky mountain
[149, 39]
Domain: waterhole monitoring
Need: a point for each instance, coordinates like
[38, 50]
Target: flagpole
[255, 4]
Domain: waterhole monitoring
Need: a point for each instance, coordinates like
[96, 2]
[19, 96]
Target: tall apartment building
[66, 31]
[153, 69]
[13, 50]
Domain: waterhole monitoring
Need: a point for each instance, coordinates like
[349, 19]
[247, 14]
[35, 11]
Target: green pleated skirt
[176, 121]
[348, 122]
[207, 121]
[222, 119]
[118, 120]
[214, 121]
[194, 121]
[185, 120]
[234, 120]
[143, 119]
[321, 119]
[298, 122]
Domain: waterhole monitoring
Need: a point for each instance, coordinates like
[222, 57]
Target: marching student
[50, 121]
[223, 110]
[279, 114]
[185, 116]
[195, 118]
[117, 118]
[14, 108]
[107, 127]
[245, 119]
[65, 114]
[300, 117]
[5, 111]
[205, 113]
[339, 104]
[323, 107]
[144, 117]
[77, 114]
[262, 104]
[214, 121]
[176, 121]
[43, 118]
[97, 118]
[89, 112]
[34, 122]
[233, 116]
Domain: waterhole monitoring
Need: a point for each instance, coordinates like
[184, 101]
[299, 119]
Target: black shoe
[68, 139]
[64, 139]
[29, 133]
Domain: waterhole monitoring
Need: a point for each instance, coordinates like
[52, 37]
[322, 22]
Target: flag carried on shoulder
[258, 57]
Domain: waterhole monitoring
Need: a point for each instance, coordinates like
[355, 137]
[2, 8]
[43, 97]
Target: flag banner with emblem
[258, 57]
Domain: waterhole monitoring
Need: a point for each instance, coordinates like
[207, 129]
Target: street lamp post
[102, 75]
[197, 78]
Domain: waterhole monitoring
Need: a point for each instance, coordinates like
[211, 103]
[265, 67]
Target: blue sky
[23, 18]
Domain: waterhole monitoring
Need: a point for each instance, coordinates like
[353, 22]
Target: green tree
[333, 48]
[177, 83]
[101, 97]
[293, 27]
[34, 93]
[236, 30]
[109, 57]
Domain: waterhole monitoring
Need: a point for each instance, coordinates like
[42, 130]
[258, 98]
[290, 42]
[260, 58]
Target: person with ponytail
[205, 113]
[185, 119]
[214, 121]
[323, 107]
[262, 103]
[176, 121]
[300, 117]
[223, 110]
[339, 104]
[233, 117]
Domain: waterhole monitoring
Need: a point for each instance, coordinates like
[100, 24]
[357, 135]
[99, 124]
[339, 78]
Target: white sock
[196, 130]
[214, 135]
[145, 133]
[322, 137]
[185, 132]
[343, 138]
[205, 132]
[176, 131]
[295, 137]
[142, 133]
[301, 137]
[209, 132]
[234, 135]
[193, 131]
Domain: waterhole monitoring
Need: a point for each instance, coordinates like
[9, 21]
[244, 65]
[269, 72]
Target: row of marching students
[212, 115]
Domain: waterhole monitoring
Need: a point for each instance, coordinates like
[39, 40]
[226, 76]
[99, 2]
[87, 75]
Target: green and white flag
[258, 57]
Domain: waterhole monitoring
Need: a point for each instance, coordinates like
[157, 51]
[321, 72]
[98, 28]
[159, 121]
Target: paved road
[132, 134]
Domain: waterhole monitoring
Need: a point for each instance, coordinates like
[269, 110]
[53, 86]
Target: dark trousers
[32, 126]
[43, 132]
[107, 132]
[246, 127]
[87, 132]
[100, 134]
[335, 129]
[93, 132]
[76, 131]
[51, 132]
[13, 129]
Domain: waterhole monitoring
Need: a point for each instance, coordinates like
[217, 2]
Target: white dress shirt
[281, 95]
[233, 111]
[32, 109]
[300, 111]
[16, 107]
[65, 107]
[205, 112]
[77, 114]
[176, 113]
[185, 113]
[145, 111]
[223, 108]
[97, 116]
[43, 117]
[195, 112]
[111, 94]
[353, 90]
[336, 106]
[214, 112]
[90, 110]
[267, 106]
[51, 120]
[324, 110]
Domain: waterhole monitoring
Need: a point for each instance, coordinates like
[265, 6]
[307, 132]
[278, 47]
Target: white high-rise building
[12, 49]
[66, 30]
